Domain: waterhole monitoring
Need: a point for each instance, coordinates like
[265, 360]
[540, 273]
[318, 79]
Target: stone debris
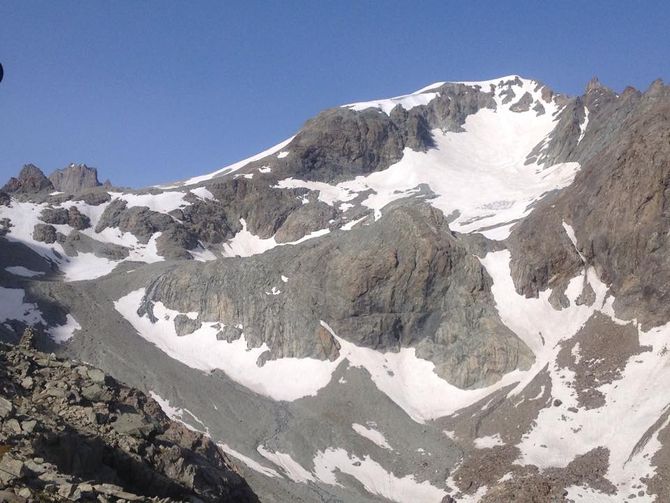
[68, 432]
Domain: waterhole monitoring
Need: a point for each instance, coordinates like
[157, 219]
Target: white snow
[430, 87]
[407, 102]
[408, 380]
[329, 194]
[246, 244]
[254, 465]
[177, 413]
[201, 254]
[411, 382]
[350, 225]
[201, 350]
[163, 202]
[371, 434]
[84, 266]
[19, 270]
[584, 124]
[374, 478]
[171, 411]
[264, 169]
[273, 291]
[231, 168]
[488, 441]
[63, 333]
[203, 193]
[493, 82]
[292, 468]
[481, 173]
[633, 403]
[282, 154]
[284, 279]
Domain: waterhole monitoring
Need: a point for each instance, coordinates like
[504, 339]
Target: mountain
[456, 294]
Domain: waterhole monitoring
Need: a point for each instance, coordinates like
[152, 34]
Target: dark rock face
[76, 242]
[405, 281]
[94, 197]
[45, 233]
[618, 207]
[175, 242]
[31, 180]
[61, 216]
[139, 221]
[74, 178]
[77, 220]
[69, 432]
[340, 144]
[5, 200]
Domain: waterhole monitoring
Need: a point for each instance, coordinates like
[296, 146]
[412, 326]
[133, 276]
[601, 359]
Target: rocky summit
[458, 294]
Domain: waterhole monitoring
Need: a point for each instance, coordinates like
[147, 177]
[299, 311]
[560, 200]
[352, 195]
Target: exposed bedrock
[31, 180]
[405, 281]
[74, 178]
[619, 207]
[340, 143]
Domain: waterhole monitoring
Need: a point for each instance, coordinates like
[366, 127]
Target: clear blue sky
[154, 91]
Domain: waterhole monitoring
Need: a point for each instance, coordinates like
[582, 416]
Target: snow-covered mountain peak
[429, 294]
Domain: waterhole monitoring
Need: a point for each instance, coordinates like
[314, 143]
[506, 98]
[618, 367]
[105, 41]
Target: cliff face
[70, 432]
[74, 178]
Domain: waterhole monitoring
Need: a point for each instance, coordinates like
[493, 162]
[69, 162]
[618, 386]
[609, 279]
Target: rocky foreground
[70, 432]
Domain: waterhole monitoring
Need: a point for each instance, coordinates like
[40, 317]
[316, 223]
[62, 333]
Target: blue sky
[155, 91]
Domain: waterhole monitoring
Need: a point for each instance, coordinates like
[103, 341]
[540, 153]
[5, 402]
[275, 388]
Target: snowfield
[481, 175]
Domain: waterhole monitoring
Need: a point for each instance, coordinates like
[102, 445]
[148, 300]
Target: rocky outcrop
[74, 178]
[139, 221]
[406, 281]
[31, 180]
[45, 233]
[61, 216]
[618, 206]
[70, 432]
[76, 242]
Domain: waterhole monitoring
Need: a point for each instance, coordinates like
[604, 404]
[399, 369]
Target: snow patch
[202, 350]
[203, 193]
[64, 333]
[407, 102]
[374, 478]
[292, 468]
[254, 465]
[246, 244]
[371, 434]
[488, 441]
[230, 168]
[583, 125]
